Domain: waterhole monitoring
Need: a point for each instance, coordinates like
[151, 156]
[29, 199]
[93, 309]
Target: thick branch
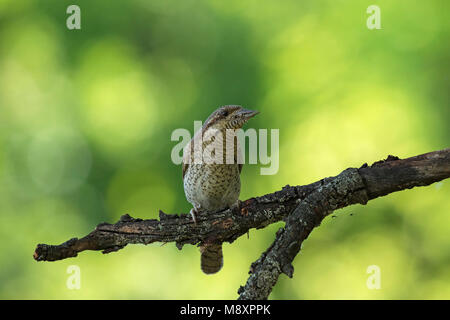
[350, 187]
[303, 208]
[223, 226]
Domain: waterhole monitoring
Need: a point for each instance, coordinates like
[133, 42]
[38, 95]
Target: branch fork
[301, 207]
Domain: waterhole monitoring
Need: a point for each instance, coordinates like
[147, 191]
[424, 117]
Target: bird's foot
[193, 213]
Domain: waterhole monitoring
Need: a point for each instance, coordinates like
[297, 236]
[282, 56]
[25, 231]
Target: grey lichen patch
[330, 194]
[260, 284]
[348, 181]
[346, 189]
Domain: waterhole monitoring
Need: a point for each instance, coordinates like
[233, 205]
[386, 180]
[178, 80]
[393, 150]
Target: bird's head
[229, 117]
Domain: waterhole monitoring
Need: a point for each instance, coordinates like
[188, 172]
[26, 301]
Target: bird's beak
[247, 114]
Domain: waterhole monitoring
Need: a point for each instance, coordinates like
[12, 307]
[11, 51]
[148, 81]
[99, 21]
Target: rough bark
[301, 207]
[350, 187]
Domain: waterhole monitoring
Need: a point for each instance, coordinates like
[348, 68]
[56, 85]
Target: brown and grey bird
[212, 182]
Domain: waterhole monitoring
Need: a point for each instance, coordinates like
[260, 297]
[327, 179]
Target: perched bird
[211, 181]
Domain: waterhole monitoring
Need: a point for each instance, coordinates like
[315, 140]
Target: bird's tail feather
[212, 258]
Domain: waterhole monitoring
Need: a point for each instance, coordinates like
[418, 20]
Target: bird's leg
[236, 206]
[193, 213]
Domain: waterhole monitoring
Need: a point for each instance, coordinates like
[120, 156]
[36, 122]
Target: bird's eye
[224, 113]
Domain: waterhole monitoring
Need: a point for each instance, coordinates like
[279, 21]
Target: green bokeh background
[86, 118]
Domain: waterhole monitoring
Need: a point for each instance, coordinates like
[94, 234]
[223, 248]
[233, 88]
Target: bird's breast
[212, 186]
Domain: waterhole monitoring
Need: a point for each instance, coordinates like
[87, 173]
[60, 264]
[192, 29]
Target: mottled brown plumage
[212, 183]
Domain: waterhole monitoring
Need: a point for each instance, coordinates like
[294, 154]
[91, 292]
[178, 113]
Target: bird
[211, 181]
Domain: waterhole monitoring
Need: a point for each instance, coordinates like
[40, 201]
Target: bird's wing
[188, 152]
[237, 154]
[185, 167]
[186, 156]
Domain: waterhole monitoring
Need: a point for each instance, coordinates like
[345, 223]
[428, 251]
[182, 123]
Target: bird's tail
[212, 258]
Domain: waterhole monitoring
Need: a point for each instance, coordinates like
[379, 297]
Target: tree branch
[350, 187]
[302, 207]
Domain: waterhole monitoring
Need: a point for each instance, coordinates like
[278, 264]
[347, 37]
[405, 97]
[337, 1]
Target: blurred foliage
[86, 118]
